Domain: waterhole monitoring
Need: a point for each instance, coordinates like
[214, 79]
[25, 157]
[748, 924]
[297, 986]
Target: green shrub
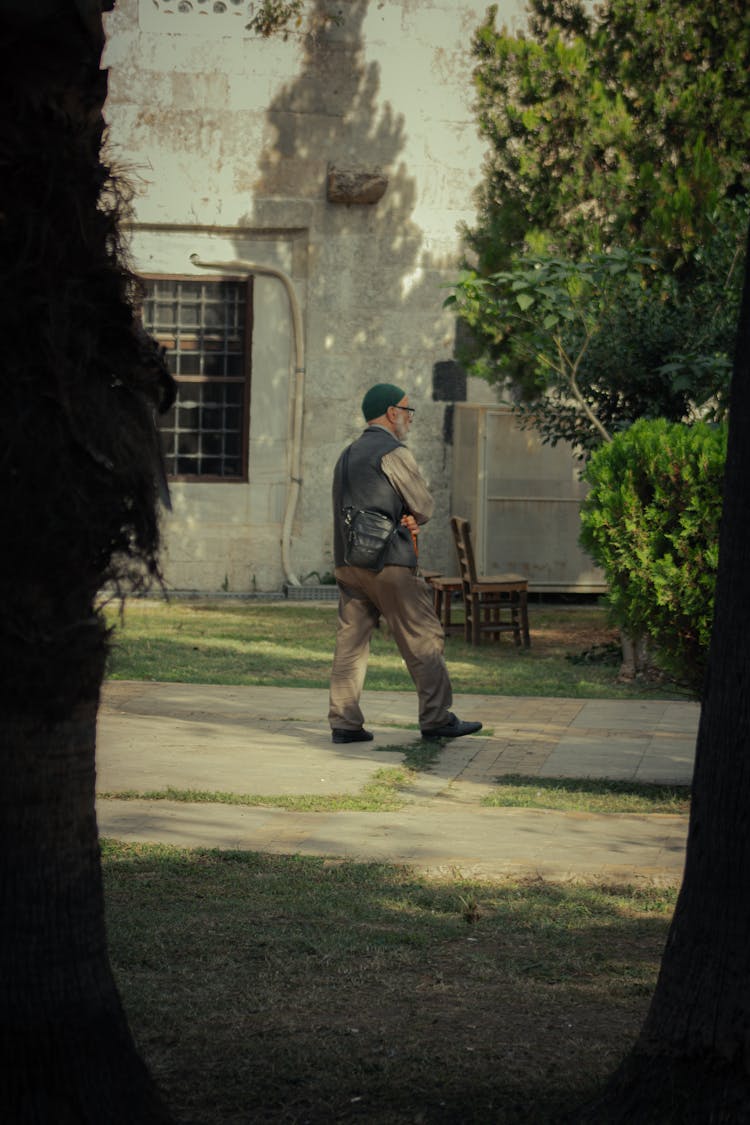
[651, 521]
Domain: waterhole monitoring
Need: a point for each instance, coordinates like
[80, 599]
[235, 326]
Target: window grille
[205, 326]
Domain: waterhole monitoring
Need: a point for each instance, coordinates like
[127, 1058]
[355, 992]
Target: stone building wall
[275, 152]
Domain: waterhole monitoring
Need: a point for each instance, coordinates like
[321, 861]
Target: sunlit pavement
[270, 741]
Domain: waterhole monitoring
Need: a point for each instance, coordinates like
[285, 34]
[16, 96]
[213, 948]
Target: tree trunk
[68, 1056]
[691, 1062]
[635, 657]
[78, 495]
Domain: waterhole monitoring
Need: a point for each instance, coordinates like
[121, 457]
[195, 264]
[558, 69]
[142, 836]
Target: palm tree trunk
[78, 511]
[68, 1056]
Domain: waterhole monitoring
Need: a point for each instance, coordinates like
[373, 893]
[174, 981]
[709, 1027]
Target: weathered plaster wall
[228, 139]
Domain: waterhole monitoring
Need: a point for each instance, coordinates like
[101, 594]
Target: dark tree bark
[78, 465]
[691, 1062]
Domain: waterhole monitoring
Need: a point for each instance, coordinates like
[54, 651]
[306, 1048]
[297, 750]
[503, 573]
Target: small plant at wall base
[324, 579]
[651, 521]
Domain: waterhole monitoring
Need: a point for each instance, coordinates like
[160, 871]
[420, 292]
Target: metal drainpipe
[295, 480]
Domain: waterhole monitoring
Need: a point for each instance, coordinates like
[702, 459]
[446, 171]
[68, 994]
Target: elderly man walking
[377, 472]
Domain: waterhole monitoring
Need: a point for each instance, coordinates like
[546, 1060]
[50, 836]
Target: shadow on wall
[374, 302]
[374, 296]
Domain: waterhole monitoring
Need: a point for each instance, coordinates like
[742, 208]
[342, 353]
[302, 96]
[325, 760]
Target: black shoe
[454, 728]
[340, 734]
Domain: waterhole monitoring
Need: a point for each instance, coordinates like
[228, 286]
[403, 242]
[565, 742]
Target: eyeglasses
[409, 410]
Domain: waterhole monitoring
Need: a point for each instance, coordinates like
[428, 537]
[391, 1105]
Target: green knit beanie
[379, 398]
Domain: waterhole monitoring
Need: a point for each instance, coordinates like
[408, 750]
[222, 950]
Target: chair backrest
[464, 550]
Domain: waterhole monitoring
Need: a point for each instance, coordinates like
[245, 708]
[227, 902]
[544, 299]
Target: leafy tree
[624, 126]
[591, 346]
[627, 124]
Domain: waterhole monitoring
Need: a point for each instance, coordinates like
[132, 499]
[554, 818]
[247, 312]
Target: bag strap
[346, 496]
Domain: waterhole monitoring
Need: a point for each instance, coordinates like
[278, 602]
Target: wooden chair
[493, 604]
[443, 589]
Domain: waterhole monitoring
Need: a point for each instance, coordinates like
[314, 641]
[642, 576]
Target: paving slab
[157, 752]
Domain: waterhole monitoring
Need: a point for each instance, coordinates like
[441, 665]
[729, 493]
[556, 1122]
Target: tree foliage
[623, 129]
[595, 344]
[651, 521]
[271, 17]
[626, 124]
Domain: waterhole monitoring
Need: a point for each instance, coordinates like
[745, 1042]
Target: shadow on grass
[285, 988]
[287, 646]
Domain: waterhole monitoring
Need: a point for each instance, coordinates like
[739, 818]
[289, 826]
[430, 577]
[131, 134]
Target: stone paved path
[276, 741]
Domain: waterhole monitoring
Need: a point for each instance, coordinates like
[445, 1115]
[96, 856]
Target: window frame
[245, 379]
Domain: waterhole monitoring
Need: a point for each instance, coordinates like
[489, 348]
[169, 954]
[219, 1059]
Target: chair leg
[515, 620]
[524, 610]
[476, 621]
[446, 618]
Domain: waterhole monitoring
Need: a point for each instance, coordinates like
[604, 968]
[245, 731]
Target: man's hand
[410, 523]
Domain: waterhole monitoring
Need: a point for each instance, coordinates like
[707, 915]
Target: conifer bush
[651, 521]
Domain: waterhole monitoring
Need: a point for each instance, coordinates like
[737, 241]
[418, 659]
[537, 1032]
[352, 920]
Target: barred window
[205, 325]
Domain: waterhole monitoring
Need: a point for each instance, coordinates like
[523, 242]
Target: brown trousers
[405, 602]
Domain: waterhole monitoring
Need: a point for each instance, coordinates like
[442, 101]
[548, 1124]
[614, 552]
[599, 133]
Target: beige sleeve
[403, 473]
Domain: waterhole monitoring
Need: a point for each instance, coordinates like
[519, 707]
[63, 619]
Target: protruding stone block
[355, 185]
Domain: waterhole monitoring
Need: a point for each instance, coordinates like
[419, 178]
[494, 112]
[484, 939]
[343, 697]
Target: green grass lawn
[269, 989]
[389, 790]
[288, 644]
[297, 989]
[587, 795]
